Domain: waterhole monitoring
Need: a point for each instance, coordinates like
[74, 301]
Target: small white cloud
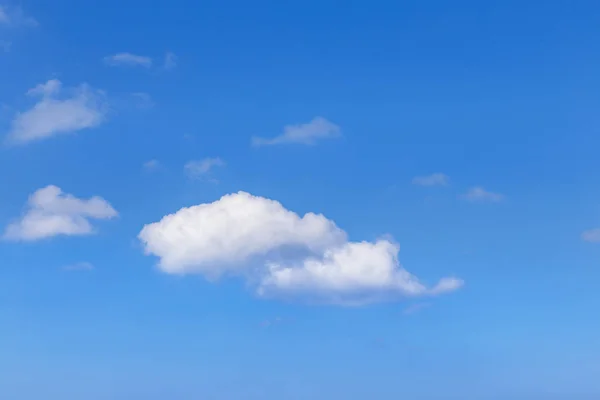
[53, 115]
[15, 17]
[591, 235]
[50, 212]
[81, 266]
[437, 179]
[201, 168]
[480, 194]
[447, 285]
[308, 134]
[281, 253]
[151, 165]
[128, 60]
[170, 61]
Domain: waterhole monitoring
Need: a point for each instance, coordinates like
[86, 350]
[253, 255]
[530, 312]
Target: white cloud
[356, 272]
[128, 60]
[53, 115]
[480, 194]
[170, 61]
[201, 168]
[437, 179]
[81, 266]
[591, 235]
[307, 134]
[15, 17]
[281, 253]
[50, 212]
[216, 237]
[447, 285]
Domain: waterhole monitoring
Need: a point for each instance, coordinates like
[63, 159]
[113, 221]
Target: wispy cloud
[4, 18]
[437, 179]
[53, 114]
[151, 165]
[81, 266]
[197, 169]
[591, 235]
[307, 134]
[15, 17]
[128, 60]
[170, 61]
[479, 194]
[142, 100]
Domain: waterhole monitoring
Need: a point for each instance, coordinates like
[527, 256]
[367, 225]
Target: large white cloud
[221, 236]
[281, 253]
[53, 114]
[50, 212]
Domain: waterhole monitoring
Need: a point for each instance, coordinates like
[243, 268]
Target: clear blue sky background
[499, 94]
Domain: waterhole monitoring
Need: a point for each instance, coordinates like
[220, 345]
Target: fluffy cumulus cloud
[437, 179]
[128, 60]
[221, 236]
[281, 253]
[54, 114]
[308, 134]
[51, 212]
[353, 272]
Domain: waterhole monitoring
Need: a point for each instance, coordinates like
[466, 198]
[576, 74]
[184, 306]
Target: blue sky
[411, 200]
